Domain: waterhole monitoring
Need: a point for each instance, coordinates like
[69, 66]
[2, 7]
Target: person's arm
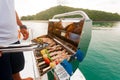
[23, 28]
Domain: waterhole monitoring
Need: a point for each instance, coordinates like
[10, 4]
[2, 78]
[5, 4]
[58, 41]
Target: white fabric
[8, 25]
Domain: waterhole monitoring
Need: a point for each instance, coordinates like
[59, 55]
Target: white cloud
[30, 7]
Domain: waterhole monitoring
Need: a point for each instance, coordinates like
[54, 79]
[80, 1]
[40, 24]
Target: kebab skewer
[51, 62]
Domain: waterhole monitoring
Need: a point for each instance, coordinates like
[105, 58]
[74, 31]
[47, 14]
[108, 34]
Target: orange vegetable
[47, 61]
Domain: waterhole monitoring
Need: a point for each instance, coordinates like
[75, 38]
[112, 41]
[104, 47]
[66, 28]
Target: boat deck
[30, 69]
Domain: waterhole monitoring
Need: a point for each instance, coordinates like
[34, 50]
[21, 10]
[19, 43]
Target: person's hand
[25, 33]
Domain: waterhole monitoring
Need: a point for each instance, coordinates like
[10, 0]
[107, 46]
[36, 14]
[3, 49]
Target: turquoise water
[102, 61]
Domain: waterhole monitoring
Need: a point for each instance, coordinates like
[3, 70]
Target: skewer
[41, 63]
[38, 58]
[50, 56]
[42, 72]
[43, 66]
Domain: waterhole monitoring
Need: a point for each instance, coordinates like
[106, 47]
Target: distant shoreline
[47, 21]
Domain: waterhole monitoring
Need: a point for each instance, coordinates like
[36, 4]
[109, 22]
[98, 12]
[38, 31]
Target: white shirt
[8, 25]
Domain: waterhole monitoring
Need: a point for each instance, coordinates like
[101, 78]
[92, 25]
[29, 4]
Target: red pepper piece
[47, 61]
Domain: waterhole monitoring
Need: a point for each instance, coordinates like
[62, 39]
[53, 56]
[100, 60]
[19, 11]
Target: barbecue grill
[67, 42]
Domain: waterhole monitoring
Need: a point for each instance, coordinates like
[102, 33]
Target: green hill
[93, 14]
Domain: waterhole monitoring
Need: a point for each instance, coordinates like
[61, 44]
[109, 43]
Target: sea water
[102, 61]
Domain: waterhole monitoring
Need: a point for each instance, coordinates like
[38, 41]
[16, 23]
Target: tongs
[22, 47]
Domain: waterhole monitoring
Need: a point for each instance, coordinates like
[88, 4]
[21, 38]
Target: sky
[31, 7]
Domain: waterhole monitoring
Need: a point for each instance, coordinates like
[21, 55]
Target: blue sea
[102, 61]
